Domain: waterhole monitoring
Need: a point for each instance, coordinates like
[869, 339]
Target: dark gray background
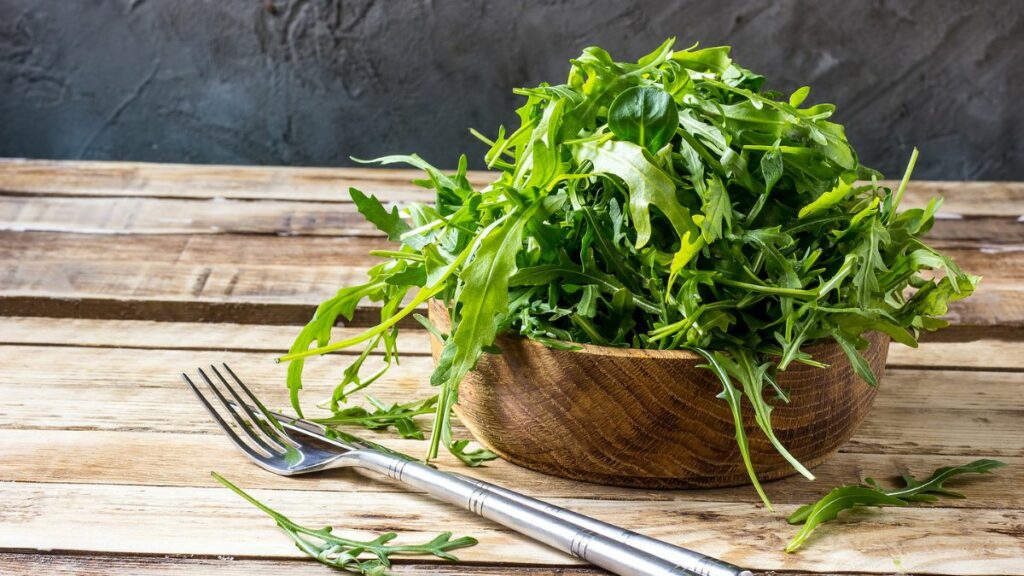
[312, 82]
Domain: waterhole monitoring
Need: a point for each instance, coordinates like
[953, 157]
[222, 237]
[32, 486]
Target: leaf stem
[794, 292]
[903, 183]
[422, 296]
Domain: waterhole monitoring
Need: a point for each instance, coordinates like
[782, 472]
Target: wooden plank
[236, 250]
[996, 262]
[989, 314]
[979, 355]
[178, 459]
[33, 564]
[166, 520]
[139, 215]
[139, 179]
[966, 198]
[279, 280]
[198, 335]
[177, 282]
[1001, 266]
[88, 178]
[132, 215]
[952, 413]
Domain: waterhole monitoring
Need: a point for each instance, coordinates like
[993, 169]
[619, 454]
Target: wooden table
[116, 277]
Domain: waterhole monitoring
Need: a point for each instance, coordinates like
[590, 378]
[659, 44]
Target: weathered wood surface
[110, 274]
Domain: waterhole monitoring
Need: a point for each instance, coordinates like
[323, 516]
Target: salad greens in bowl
[671, 203]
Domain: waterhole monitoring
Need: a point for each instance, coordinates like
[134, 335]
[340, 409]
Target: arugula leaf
[772, 169]
[828, 199]
[389, 223]
[644, 115]
[648, 185]
[926, 490]
[734, 399]
[872, 494]
[717, 210]
[829, 507]
[742, 366]
[370, 557]
[480, 308]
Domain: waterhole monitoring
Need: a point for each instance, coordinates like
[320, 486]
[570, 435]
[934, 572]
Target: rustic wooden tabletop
[116, 277]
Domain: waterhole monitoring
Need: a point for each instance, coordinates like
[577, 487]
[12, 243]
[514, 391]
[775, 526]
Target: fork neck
[380, 462]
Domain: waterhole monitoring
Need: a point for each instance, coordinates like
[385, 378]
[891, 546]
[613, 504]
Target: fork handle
[598, 549]
[691, 560]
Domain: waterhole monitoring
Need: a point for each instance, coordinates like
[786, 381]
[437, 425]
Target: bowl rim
[617, 351]
[610, 351]
[650, 353]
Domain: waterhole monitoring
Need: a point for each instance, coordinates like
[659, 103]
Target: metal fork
[272, 441]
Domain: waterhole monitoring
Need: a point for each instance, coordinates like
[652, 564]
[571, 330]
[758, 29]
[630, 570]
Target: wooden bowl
[650, 418]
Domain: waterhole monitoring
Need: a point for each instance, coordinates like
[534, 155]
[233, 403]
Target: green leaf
[689, 247]
[384, 416]
[644, 115]
[715, 59]
[857, 361]
[741, 365]
[717, 211]
[914, 489]
[829, 507]
[828, 199]
[871, 494]
[771, 169]
[798, 97]
[370, 557]
[733, 398]
[389, 223]
[648, 186]
[482, 305]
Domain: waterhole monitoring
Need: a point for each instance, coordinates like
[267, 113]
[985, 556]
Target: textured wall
[316, 81]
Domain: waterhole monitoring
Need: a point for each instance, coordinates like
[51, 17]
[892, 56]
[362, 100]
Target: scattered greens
[671, 203]
[871, 494]
[372, 557]
[383, 416]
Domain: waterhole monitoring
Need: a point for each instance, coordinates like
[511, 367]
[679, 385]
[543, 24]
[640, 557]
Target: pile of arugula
[670, 203]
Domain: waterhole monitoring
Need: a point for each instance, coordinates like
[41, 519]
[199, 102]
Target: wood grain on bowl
[650, 418]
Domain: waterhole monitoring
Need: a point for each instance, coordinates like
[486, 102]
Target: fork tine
[269, 431]
[279, 431]
[249, 451]
[245, 426]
